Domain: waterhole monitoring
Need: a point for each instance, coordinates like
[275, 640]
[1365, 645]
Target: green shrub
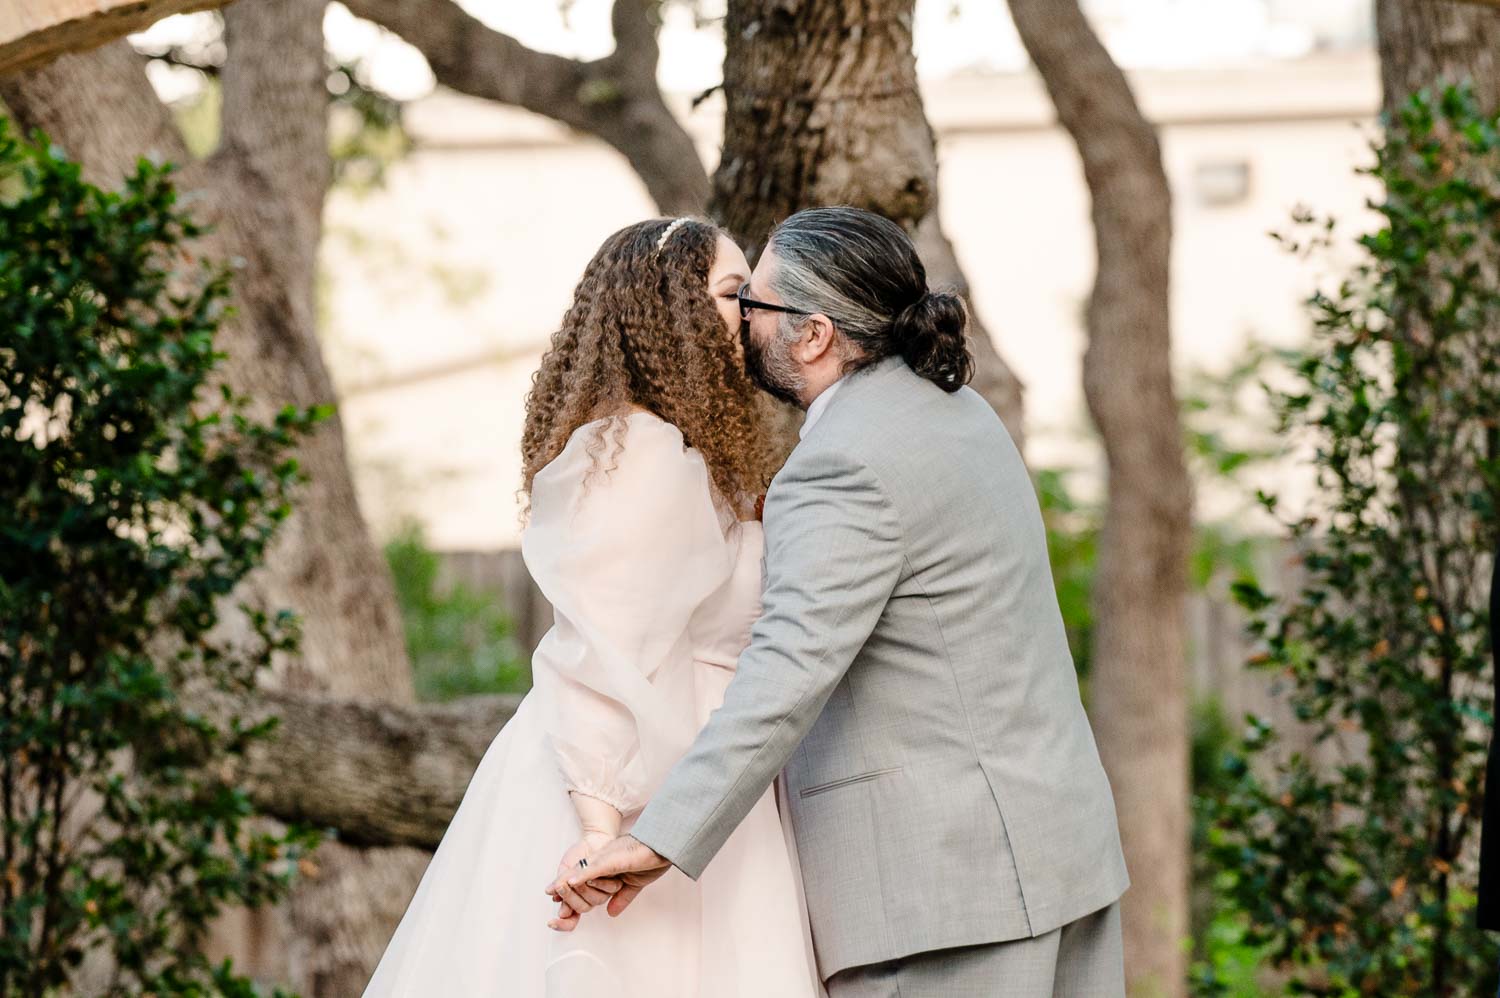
[460, 640]
[1357, 877]
[1226, 962]
[134, 497]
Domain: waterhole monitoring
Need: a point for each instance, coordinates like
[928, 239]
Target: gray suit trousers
[1083, 959]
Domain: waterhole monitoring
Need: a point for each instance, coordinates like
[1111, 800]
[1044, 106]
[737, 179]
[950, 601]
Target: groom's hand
[626, 860]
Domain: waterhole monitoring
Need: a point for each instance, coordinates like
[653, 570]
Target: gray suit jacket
[911, 674]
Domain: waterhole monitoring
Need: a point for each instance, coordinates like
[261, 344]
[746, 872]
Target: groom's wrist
[659, 842]
[647, 846]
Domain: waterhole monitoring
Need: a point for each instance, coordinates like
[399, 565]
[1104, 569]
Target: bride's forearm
[594, 815]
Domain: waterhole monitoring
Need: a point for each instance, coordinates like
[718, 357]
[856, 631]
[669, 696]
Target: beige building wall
[443, 287]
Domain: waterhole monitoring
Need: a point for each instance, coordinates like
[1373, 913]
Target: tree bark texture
[380, 773]
[1430, 44]
[1138, 688]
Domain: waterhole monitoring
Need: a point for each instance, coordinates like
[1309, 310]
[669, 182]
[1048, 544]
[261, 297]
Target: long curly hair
[643, 330]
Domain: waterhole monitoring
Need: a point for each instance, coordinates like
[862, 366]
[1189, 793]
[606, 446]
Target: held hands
[598, 823]
[573, 902]
[613, 875]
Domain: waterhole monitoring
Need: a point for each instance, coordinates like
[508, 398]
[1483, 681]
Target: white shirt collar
[815, 410]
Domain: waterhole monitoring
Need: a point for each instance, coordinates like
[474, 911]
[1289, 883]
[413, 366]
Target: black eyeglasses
[748, 305]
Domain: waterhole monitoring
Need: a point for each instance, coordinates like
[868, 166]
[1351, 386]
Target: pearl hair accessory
[669, 230]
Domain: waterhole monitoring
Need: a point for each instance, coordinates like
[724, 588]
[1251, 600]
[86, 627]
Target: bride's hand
[574, 901]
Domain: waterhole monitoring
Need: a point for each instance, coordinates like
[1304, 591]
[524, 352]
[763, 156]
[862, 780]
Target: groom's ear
[817, 338]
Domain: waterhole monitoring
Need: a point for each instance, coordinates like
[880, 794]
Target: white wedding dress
[655, 588]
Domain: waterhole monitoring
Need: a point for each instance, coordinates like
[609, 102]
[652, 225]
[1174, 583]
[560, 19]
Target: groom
[910, 672]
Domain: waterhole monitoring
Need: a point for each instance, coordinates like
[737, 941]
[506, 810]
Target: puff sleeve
[626, 546]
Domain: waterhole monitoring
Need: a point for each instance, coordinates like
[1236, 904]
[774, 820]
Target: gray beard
[772, 370]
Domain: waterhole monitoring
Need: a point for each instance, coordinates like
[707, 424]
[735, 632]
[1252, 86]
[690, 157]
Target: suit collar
[866, 378]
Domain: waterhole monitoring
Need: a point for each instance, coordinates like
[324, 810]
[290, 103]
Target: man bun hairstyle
[930, 334]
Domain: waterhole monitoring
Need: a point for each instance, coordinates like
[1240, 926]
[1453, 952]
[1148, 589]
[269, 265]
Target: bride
[642, 455]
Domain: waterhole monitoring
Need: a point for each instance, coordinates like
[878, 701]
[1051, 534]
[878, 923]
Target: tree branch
[615, 99]
[33, 32]
[379, 773]
[635, 24]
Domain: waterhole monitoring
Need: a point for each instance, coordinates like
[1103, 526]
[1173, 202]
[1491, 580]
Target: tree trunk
[1138, 686]
[823, 108]
[1432, 44]
[274, 151]
[263, 193]
[34, 31]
